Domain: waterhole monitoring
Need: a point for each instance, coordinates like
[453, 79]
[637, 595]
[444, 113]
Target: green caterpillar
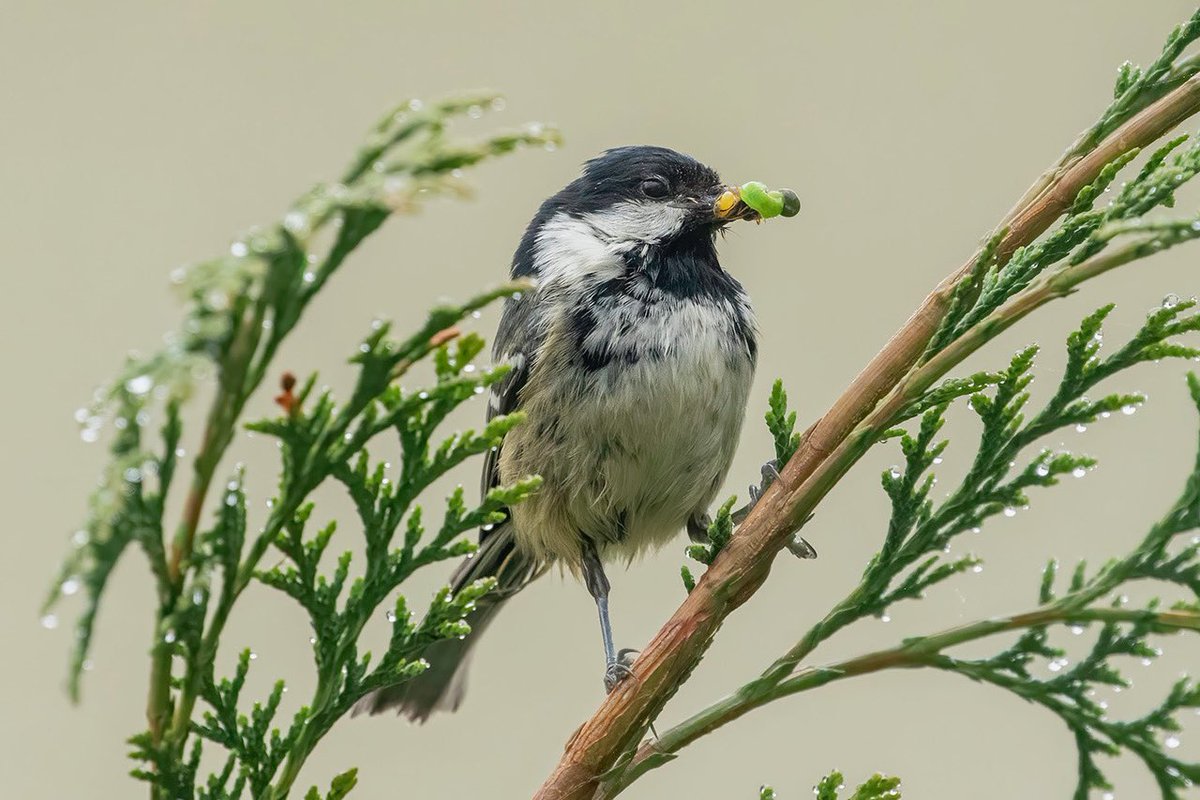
[782, 202]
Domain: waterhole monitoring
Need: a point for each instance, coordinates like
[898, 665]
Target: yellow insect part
[725, 203]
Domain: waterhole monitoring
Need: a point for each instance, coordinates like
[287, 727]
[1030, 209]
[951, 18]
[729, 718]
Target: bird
[631, 359]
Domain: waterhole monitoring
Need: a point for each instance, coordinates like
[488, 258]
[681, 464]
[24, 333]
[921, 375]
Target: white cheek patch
[636, 222]
[570, 249]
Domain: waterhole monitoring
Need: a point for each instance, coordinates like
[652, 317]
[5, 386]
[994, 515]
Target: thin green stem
[914, 652]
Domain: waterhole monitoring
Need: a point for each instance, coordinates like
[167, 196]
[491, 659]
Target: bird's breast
[633, 410]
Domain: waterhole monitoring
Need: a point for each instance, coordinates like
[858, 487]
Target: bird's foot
[619, 669]
[770, 474]
[797, 545]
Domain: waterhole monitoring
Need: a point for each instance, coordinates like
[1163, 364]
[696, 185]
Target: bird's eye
[655, 188]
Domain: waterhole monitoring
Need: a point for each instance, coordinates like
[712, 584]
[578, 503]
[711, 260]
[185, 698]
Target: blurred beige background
[138, 136]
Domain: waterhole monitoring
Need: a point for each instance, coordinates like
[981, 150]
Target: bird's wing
[517, 339]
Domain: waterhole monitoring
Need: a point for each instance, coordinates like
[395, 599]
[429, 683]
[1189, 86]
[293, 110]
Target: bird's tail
[442, 686]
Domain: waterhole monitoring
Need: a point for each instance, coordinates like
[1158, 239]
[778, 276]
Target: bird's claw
[619, 669]
[800, 548]
[797, 546]
[770, 474]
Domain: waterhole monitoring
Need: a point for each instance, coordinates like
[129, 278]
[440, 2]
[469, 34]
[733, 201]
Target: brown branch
[833, 445]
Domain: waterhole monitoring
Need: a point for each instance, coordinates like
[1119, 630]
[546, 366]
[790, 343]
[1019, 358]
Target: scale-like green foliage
[782, 424]
[877, 787]
[239, 309]
[1071, 690]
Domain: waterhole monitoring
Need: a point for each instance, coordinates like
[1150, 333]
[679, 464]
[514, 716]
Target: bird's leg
[797, 546]
[615, 667]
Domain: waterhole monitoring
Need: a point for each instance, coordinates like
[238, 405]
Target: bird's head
[639, 201]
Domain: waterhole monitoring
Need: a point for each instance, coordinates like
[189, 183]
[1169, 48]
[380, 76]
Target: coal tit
[631, 359]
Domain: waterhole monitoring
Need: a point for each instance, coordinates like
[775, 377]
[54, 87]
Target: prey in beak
[754, 201]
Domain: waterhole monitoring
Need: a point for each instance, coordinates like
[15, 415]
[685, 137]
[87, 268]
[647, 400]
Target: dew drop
[1129, 410]
[977, 568]
[478, 390]
[80, 537]
[49, 622]
[475, 112]
[70, 586]
[1170, 301]
[1057, 664]
[476, 314]
[937, 460]
[423, 395]
[1080, 428]
[253, 655]
[310, 276]
[169, 637]
[1009, 511]
[132, 475]
[894, 472]
[1042, 470]
[469, 368]
[1171, 742]
[139, 385]
[296, 221]
[1076, 629]
[231, 500]
[238, 249]
[391, 616]
[977, 529]
[364, 348]
[312, 640]
[884, 618]
[197, 598]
